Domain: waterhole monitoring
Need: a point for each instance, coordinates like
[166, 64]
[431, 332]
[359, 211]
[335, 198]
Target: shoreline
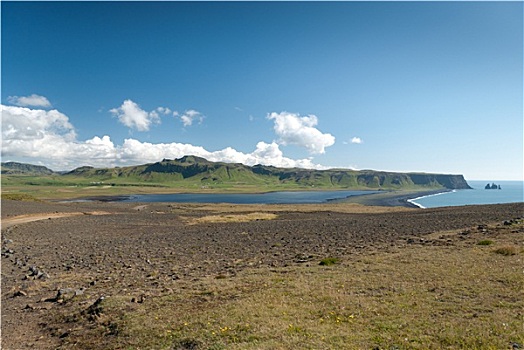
[394, 198]
[413, 200]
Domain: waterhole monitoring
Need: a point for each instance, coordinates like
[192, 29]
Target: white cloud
[163, 110]
[131, 115]
[135, 152]
[296, 130]
[20, 123]
[47, 137]
[30, 101]
[190, 116]
[357, 140]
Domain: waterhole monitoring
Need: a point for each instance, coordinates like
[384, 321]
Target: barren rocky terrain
[57, 257]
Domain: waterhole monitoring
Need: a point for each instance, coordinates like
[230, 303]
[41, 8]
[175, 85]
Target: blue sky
[399, 86]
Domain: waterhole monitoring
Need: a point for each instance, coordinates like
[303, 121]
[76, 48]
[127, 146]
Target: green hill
[195, 173]
[199, 171]
[14, 168]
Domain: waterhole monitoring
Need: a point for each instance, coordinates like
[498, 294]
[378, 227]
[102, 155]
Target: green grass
[171, 177]
[19, 197]
[329, 261]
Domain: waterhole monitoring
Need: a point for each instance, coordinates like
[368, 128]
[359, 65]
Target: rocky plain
[64, 259]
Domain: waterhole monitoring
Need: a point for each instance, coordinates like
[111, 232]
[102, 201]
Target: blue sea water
[510, 192]
[283, 197]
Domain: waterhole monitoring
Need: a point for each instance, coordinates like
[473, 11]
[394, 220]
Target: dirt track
[141, 251]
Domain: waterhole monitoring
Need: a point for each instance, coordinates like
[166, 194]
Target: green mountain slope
[192, 173]
[195, 170]
[14, 168]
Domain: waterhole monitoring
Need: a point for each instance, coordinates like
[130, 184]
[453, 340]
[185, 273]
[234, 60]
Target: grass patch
[507, 250]
[329, 261]
[232, 218]
[485, 242]
[19, 197]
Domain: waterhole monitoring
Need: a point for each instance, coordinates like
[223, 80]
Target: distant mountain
[206, 173]
[14, 168]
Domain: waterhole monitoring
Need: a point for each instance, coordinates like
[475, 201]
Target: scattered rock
[186, 344]
[94, 310]
[29, 307]
[302, 258]
[34, 270]
[141, 298]
[36, 273]
[65, 294]
[42, 275]
[482, 228]
[20, 293]
[64, 335]
[7, 252]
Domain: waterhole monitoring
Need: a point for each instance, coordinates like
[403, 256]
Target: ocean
[510, 192]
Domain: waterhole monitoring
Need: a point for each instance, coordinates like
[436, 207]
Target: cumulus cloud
[131, 115]
[47, 137]
[163, 110]
[135, 152]
[190, 116]
[20, 123]
[300, 131]
[356, 140]
[30, 101]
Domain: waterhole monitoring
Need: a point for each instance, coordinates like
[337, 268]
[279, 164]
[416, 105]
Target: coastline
[393, 198]
[413, 200]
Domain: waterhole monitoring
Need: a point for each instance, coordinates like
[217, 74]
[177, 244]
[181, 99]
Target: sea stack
[493, 186]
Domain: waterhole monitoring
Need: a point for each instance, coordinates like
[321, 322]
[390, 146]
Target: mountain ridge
[201, 171]
[12, 168]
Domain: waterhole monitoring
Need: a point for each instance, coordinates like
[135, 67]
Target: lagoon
[281, 197]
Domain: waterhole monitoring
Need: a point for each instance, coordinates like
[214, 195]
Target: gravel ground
[140, 250]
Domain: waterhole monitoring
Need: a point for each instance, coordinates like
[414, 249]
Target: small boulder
[20, 293]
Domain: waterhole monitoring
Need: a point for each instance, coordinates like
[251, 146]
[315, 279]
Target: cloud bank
[300, 131]
[49, 138]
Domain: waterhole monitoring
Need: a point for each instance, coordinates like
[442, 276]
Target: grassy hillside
[14, 168]
[190, 174]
